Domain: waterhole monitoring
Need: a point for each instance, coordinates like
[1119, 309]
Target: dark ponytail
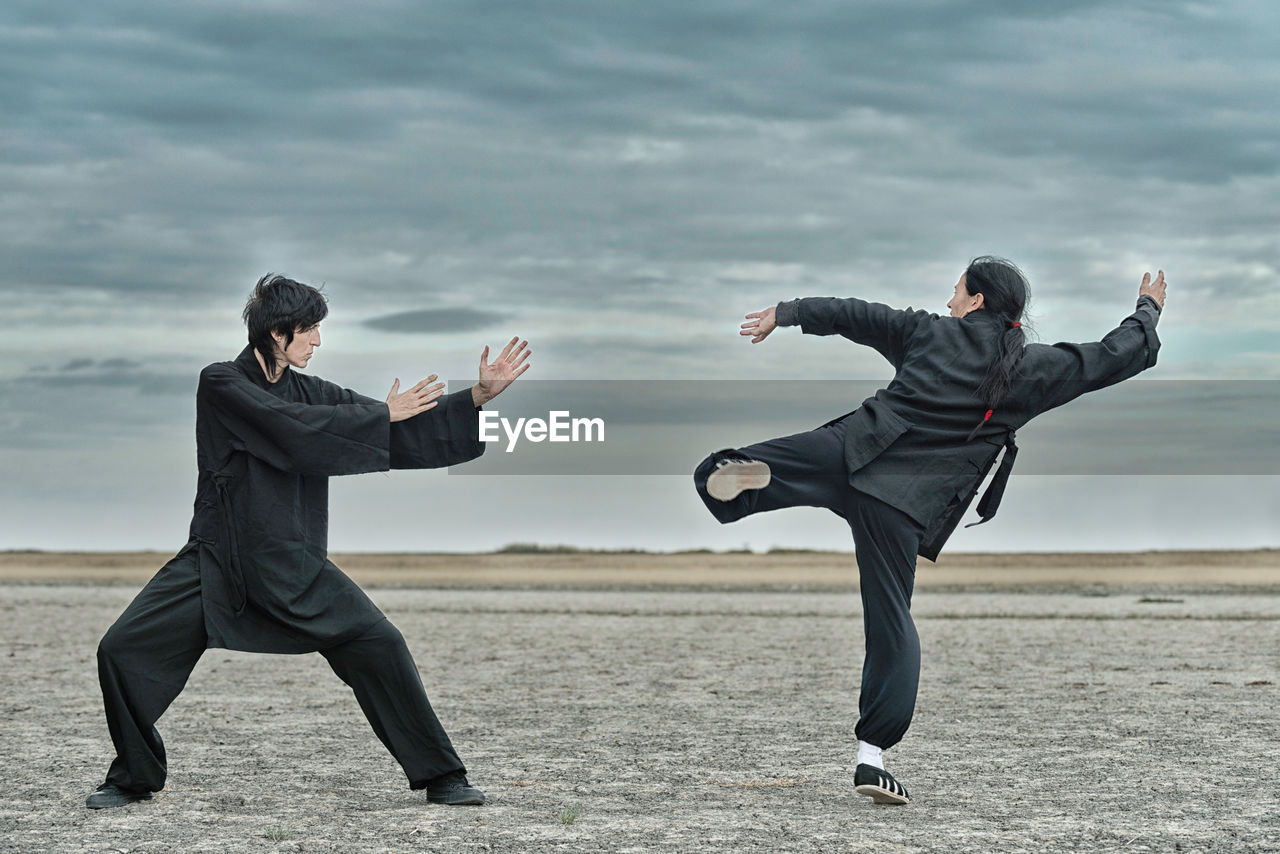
[1005, 293]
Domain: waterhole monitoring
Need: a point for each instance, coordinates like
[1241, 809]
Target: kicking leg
[802, 470]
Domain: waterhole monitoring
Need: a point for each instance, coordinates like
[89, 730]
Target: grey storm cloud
[114, 365]
[118, 364]
[93, 404]
[619, 182]
[194, 136]
[435, 320]
[105, 374]
[540, 156]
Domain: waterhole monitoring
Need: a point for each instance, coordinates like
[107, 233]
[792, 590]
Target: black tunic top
[265, 452]
[909, 444]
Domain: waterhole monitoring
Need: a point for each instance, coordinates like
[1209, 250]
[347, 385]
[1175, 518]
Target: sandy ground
[797, 570]
[632, 720]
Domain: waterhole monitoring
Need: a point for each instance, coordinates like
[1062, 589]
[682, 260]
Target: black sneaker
[108, 795]
[733, 477]
[454, 790]
[879, 785]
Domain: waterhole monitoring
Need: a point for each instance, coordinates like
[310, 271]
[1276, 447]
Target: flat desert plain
[685, 703]
[1211, 570]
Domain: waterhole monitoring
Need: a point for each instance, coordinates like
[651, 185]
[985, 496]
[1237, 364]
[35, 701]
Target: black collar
[247, 362]
[982, 315]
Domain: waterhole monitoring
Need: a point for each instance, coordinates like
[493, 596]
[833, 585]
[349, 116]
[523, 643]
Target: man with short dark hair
[255, 576]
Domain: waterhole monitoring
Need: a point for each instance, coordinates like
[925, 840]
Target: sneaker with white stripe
[879, 785]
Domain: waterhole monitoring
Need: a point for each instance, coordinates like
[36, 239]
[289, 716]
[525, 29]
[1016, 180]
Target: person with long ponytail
[904, 467]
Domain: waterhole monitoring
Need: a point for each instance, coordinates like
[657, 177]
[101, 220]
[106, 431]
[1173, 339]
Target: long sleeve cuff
[444, 436]
[787, 313]
[1147, 305]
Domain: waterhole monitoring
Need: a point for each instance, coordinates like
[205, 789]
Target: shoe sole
[116, 802]
[729, 481]
[472, 801]
[882, 796]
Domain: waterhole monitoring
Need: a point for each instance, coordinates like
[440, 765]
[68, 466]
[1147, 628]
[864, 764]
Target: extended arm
[1063, 372]
[444, 434]
[876, 325]
[306, 438]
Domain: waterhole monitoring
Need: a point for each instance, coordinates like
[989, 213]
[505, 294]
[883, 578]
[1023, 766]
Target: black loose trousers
[146, 656]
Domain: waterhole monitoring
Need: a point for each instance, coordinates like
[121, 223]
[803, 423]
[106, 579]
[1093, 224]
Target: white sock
[869, 754]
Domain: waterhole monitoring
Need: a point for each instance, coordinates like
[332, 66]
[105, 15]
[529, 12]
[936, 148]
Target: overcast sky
[620, 183]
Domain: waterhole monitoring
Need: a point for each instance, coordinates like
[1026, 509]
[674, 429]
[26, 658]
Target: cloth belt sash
[231, 548]
[990, 501]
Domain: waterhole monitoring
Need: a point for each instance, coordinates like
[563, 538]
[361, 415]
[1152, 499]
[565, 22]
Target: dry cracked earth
[680, 721]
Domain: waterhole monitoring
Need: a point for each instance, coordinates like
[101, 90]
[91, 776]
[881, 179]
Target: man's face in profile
[299, 351]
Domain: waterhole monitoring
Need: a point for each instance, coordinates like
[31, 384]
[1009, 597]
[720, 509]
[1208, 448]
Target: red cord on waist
[975, 430]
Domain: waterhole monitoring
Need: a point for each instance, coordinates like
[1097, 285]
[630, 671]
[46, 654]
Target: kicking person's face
[962, 302]
[299, 351]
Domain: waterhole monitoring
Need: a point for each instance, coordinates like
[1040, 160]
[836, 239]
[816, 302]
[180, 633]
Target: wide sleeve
[874, 324]
[1062, 372]
[305, 438]
[445, 435]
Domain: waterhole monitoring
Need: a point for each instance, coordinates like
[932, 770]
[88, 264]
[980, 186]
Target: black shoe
[108, 795]
[454, 790]
[879, 785]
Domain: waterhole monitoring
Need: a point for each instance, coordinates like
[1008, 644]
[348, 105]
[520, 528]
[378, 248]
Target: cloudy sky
[620, 182]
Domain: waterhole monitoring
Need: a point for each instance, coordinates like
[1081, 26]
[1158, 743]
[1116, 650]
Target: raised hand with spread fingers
[495, 376]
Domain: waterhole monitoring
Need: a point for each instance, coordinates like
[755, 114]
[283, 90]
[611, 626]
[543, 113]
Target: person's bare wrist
[478, 397]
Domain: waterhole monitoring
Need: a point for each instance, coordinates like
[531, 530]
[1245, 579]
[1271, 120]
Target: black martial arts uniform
[904, 467]
[255, 574]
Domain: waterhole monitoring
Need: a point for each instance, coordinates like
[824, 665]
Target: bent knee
[112, 645]
[383, 633]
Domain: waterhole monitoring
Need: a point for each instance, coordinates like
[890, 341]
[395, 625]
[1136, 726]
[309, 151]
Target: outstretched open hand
[759, 324]
[1155, 289]
[501, 372]
[420, 398]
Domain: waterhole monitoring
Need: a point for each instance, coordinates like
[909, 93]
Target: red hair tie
[1016, 324]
